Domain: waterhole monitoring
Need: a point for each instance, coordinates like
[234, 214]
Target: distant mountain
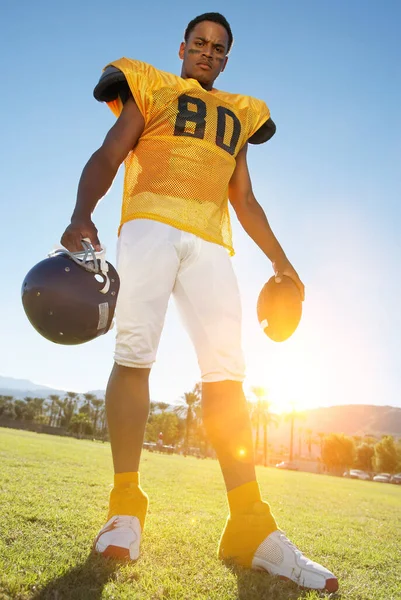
[19, 388]
[19, 384]
[353, 419]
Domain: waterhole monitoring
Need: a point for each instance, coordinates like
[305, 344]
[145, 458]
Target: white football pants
[155, 260]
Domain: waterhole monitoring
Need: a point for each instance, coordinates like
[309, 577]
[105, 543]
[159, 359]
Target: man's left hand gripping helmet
[70, 297]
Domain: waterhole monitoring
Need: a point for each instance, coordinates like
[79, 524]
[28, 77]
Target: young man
[184, 144]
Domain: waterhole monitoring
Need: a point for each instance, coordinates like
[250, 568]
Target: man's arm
[253, 219]
[98, 175]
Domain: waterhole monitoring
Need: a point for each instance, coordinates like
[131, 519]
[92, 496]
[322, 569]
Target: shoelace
[287, 542]
[123, 521]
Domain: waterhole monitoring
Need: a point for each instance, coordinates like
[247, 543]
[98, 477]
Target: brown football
[279, 308]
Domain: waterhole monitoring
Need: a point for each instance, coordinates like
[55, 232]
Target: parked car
[357, 474]
[396, 479]
[291, 466]
[382, 478]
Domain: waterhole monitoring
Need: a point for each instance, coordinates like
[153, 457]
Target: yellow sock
[128, 498]
[249, 523]
[241, 499]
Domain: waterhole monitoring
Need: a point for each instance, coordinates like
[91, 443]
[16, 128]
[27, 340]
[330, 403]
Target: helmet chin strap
[89, 259]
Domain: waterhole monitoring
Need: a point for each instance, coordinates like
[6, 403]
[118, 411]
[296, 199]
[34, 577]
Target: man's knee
[223, 406]
[226, 420]
[128, 372]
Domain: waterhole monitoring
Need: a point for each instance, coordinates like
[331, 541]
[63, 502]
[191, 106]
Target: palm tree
[60, 403]
[38, 406]
[292, 416]
[53, 408]
[321, 435]
[162, 405]
[98, 404]
[86, 408]
[300, 430]
[309, 440]
[7, 406]
[70, 406]
[189, 411]
[262, 416]
[29, 413]
[103, 420]
[259, 392]
[19, 409]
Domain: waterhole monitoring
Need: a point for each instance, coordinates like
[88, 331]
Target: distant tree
[321, 435]
[386, 459]
[309, 440]
[292, 417]
[189, 410]
[7, 407]
[19, 409]
[370, 439]
[255, 413]
[98, 405]
[264, 417]
[282, 450]
[69, 406]
[364, 457]
[162, 405]
[398, 450]
[103, 421]
[60, 404]
[37, 404]
[80, 423]
[29, 413]
[53, 409]
[86, 408]
[300, 431]
[338, 452]
[168, 423]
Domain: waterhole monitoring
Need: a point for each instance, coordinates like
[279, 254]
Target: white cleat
[119, 538]
[278, 556]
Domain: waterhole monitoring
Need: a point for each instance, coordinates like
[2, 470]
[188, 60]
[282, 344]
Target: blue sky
[330, 182]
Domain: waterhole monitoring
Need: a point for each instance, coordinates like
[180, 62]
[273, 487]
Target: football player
[184, 144]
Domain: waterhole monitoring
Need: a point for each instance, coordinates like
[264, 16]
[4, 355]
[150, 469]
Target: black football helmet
[70, 297]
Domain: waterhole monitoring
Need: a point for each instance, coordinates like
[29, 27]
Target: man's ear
[181, 50]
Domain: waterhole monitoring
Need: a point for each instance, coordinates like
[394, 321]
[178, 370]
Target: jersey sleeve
[260, 114]
[140, 79]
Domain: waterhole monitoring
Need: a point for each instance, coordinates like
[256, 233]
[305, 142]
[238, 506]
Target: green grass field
[54, 496]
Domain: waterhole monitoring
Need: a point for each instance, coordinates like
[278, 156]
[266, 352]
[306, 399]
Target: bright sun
[293, 380]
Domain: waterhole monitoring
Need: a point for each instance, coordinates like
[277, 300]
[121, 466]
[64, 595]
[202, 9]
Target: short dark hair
[215, 18]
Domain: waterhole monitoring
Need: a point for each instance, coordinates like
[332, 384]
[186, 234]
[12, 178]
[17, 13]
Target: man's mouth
[204, 64]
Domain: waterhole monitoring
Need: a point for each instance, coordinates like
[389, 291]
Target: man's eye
[198, 43]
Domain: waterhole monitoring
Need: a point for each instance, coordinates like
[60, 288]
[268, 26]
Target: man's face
[204, 54]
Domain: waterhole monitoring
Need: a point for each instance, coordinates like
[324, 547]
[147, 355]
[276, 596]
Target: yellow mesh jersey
[180, 169]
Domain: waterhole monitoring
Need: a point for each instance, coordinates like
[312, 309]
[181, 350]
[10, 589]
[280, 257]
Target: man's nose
[208, 51]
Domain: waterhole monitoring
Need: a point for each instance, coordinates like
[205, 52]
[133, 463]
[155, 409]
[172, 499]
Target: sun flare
[292, 381]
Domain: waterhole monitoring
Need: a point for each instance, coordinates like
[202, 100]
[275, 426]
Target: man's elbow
[243, 202]
[107, 159]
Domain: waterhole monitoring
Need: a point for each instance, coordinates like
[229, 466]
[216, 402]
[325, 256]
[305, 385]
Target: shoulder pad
[264, 133]
[112, 84]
